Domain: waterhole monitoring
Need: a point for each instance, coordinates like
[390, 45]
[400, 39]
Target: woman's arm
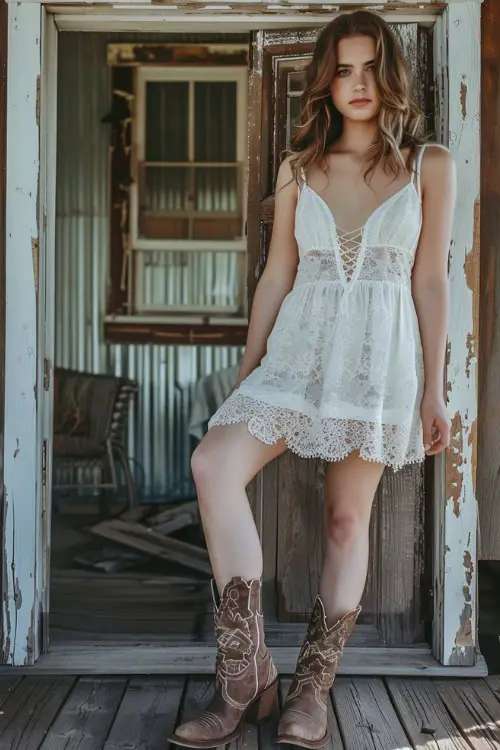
[279, 273]
[430, 289]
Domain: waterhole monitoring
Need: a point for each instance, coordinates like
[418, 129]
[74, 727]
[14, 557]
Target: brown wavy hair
[320, 123]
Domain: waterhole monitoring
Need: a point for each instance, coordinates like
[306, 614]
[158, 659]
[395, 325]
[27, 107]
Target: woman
[351, 317]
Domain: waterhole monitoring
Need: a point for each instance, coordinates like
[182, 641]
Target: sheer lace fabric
[343, 369]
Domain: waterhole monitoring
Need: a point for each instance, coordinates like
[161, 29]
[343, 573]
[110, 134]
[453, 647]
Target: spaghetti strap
[301, 179]
[417, 167]
[418, 164]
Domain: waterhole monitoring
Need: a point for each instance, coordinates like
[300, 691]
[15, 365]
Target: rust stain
[35, 253]
[471, 271]
[469, 567]
[464, 633]
[463, 99]
[454, 464]
[472, 441]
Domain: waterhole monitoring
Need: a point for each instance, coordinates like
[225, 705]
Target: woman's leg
[350, 488]
[223, 464]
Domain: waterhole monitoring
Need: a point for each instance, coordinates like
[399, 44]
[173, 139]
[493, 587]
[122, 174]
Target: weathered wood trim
[455, 502]
[132, 332]
[46, 312]
[153, 658]
[121, 118]
[171, 53]
[488, 469]
[3, 157]
[21, 460]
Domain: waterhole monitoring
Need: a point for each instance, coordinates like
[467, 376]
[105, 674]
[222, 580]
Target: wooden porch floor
[137, 713]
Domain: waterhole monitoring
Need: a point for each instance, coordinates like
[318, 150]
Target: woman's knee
[344, 524]
[203, 465]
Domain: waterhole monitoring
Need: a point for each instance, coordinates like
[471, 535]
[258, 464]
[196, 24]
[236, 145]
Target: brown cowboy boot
[304, 719]
[246, 678]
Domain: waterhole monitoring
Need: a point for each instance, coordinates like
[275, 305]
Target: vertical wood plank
[147, 713]
[301, 543]
[3, 173]
[488, 469]
[424, 716]
[30, 710]
[400, 526]
[46, 308]
[86, 717]
[21, 459]
[454, 636]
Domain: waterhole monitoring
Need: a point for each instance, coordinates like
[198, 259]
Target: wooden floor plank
[85, 719]
[424, 716]
[249, 739]
[198, 694]
[147, 713]
[475, 709]
[335, 739]
[30, 710]
[7, 686]
[493, 682]
[366, 716]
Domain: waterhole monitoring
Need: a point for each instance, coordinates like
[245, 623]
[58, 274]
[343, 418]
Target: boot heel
[263, 707]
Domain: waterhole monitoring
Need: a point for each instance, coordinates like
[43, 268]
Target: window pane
[215, 121]
[203, 203]
[167, 121]
[297, 81]
[199, 281]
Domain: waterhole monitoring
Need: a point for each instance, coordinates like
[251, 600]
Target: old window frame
[128, 319]
[141, 245]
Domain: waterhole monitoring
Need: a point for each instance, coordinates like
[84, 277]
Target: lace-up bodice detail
[349, 248]
[344, 369]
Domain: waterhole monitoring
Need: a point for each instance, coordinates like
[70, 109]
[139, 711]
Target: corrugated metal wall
[159, 445]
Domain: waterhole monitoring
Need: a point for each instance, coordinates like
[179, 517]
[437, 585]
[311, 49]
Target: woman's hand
[436, 423]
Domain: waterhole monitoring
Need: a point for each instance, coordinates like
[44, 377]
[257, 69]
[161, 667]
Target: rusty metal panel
[159, 444]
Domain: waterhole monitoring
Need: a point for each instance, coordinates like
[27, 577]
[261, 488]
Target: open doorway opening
[150, 322]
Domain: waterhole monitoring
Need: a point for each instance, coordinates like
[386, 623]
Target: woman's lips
[360, 102]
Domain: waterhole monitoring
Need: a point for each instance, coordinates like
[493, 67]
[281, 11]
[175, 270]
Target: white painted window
[188, 198]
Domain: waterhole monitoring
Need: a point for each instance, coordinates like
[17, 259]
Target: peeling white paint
[456, 511]
[20, 459]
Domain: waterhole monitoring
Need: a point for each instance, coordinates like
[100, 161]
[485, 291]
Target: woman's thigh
[232, 451]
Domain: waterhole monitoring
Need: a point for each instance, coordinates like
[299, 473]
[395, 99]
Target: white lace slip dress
[344, 368]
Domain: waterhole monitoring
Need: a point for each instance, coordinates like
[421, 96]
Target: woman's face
[354, 88]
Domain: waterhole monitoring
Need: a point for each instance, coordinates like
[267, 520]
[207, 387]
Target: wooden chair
[90, 418]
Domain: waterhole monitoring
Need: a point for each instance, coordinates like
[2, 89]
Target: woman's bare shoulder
[438, 166]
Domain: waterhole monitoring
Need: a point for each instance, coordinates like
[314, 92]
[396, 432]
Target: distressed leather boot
[304, 719]
[246, 678]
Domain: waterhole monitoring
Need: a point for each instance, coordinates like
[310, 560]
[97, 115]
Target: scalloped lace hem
[328, 439]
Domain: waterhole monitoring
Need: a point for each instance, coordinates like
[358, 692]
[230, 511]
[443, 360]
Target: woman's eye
[371, 66]
[342, 71]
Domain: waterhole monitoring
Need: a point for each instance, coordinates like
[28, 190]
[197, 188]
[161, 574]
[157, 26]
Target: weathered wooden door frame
[30, 248]
[29, 242]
